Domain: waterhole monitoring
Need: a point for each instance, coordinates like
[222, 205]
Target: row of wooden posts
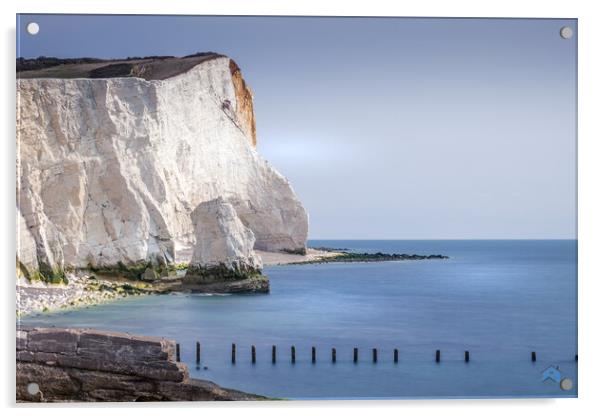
[333, 354]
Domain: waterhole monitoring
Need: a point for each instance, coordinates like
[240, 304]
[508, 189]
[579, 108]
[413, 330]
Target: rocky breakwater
[114, 158]
[57, 365]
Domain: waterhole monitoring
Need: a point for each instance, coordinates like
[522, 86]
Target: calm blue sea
[498, 299]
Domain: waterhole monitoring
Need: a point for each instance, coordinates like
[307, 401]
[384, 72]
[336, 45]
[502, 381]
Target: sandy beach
[273, 259]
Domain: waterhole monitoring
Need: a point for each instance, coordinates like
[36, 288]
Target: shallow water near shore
[500, 300]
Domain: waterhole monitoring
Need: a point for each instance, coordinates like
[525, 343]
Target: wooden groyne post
[178, 352]
[333, 354]
[198, 353]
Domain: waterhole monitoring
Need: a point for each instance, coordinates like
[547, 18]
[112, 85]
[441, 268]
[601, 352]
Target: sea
[500, 300]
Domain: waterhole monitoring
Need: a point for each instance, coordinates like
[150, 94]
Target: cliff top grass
[148, 68]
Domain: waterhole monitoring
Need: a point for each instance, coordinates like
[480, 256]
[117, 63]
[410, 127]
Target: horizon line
[444, 239]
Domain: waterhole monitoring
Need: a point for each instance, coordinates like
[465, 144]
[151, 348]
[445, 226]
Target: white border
[590, 207]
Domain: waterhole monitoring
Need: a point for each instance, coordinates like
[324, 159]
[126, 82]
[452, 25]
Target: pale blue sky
[387, 128]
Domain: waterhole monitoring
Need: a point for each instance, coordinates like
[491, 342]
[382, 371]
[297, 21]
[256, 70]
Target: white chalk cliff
[226, 241]
[110, 171]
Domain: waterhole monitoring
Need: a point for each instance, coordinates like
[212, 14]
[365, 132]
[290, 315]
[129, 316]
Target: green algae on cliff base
[224, 279]
[219, 273]
[44, 273]
[137, 271]
[132, 271]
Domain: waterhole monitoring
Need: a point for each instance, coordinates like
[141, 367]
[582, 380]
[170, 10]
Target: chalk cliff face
[110, 170]
[226, 241]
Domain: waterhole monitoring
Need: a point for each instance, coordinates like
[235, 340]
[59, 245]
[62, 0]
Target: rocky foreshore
[84, 290]
[81, 291]
[65, 365]
[345, 256]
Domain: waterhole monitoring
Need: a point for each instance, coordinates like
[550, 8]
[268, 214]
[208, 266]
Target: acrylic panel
[249, 208]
